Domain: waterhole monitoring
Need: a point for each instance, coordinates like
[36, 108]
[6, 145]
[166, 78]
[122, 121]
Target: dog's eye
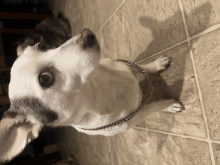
[45, 79]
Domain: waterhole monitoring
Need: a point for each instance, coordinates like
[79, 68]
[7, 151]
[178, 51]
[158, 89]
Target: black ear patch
[10, 114]
[32, 106]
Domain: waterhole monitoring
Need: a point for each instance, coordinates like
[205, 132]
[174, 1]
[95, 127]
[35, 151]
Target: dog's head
[42, 88]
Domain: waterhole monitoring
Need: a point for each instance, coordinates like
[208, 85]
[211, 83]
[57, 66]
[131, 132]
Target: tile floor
[140, 31]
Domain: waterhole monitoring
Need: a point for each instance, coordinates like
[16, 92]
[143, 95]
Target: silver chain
[132, 114]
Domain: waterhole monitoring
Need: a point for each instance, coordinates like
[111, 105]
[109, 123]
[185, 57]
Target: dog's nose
[88, 38]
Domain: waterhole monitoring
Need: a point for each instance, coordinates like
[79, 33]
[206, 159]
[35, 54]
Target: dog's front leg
[153, 67]
[158, 65]
[171, 105]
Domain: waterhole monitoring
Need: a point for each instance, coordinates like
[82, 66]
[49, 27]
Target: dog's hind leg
[157, 65]
[174, 108]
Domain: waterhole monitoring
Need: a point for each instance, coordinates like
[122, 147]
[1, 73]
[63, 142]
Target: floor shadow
[177, 86]
[204, 11]
[158, 28]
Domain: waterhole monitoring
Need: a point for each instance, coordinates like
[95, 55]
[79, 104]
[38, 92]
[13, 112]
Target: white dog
[70, 85]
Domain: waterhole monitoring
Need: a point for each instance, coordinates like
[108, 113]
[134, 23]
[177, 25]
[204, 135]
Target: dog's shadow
[179, 60]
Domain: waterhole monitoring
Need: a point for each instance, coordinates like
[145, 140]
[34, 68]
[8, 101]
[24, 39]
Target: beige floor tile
[101, 146]
[86, 140]
[206, 53]
[130, 147]
[141, 125]
[216, 151]
[120, 149]
[84, 147]
[111, 148]
[106, 8]
[154, 25]
[141, 147]
[116, 37]
[87, 157]
[73, 10]
[171, 150]
[201, 14]
[181, 81]
[100, 38]
[86, 14]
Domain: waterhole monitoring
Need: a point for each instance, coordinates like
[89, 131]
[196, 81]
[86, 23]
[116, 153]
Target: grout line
[98, 32]
[88, 147]
[197, 82]
[129, 33]
[161, 51]
[210, 29]
[98, 155]
[111, 16]
[178, 135]
[202, 105]
[172, 134]
[214, 141]
[184, 21]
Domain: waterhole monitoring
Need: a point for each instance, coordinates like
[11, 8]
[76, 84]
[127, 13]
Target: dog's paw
[162, 63]
[174, 108]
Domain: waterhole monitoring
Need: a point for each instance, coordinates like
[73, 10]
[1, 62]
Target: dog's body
[70, 85]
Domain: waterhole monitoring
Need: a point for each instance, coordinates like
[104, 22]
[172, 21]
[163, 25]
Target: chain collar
[132, 114]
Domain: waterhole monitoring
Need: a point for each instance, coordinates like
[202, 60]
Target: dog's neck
[111, 93]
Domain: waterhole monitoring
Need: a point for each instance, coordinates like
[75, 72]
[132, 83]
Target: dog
[71, 86]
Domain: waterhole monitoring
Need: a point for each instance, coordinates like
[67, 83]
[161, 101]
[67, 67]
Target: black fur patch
[51, 33]
[10, 114]
[33, 106]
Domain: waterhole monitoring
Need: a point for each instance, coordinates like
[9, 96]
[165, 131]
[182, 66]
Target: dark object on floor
[45, 159]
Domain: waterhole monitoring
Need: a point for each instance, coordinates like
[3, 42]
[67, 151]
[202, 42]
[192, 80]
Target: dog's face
[40, 83]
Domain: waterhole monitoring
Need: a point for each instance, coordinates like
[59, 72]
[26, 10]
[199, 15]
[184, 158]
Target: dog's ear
[19, 50]
[15, 134]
